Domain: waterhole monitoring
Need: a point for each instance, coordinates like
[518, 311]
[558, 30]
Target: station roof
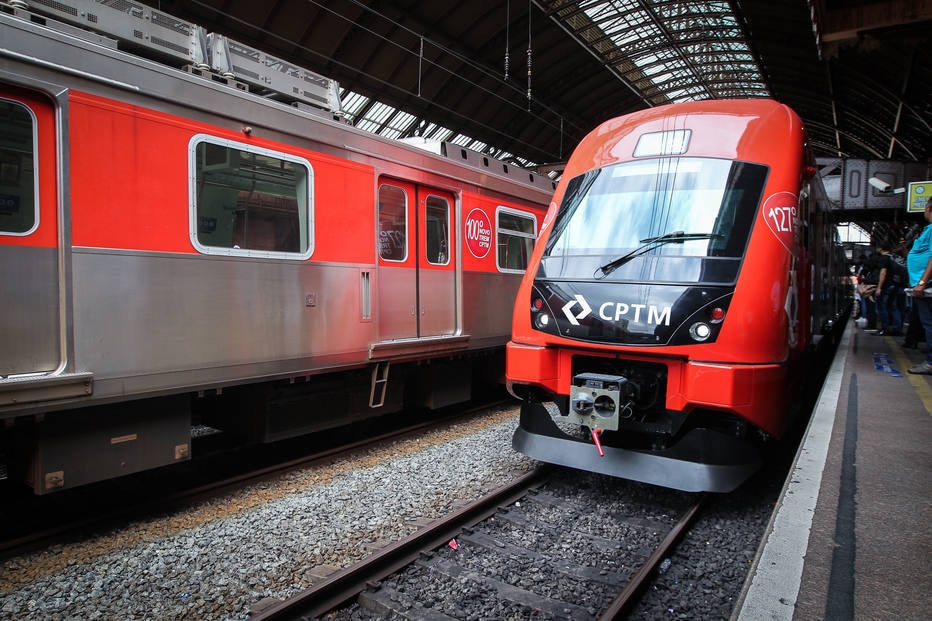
[526, 79]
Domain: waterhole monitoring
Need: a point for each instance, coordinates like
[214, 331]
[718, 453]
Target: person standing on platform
[891, 280]
[867, 288]
[859, 271]
[919, 262]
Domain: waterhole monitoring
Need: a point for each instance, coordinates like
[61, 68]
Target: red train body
[181, 244]
[686, 266]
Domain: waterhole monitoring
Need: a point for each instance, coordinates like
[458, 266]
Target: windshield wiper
[648, 244]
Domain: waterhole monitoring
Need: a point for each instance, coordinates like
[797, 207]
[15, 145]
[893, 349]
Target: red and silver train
[190, 234]
[686, 267]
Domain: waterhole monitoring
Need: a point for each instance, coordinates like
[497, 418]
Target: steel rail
[347, 583]
[619, 608]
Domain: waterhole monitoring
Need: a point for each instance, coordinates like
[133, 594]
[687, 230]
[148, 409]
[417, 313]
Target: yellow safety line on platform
[918, 381]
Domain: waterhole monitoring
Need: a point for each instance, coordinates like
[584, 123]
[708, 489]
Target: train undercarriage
[63, 449]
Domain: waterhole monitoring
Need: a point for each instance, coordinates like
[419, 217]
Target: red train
[684, 271]
[190, 234]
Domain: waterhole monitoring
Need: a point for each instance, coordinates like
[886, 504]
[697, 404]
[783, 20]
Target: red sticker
[478, 233]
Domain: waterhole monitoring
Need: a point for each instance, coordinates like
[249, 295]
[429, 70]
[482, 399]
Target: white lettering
[659, 318]
[655, 315]
[784, 218]
[476, 230]
[603, 314]
[637, 312]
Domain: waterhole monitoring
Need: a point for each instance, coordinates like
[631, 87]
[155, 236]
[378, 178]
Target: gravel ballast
[271, 540]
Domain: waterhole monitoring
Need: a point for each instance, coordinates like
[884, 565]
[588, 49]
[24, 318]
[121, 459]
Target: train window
[393, 223]
[681, 219]
[438, 231]
[250, 201]
[517, 232]
[18, 181]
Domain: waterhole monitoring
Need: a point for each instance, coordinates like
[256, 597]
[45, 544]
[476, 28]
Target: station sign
[917, 195]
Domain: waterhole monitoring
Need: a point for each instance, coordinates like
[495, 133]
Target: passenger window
[250, 201]
[393, 223]
[18, 182]
[516, 236]
[438, 231]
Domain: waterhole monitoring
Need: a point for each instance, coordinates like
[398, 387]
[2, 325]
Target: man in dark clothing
[891, 299]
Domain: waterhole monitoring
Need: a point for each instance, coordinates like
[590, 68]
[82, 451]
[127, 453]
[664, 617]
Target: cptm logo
[586, 310]
[617, 311]
[478, 233]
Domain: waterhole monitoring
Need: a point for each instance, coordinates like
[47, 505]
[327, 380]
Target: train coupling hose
[598, 443]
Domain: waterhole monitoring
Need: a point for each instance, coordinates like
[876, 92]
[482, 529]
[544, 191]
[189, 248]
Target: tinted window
[18, 188]
[393, 223]
[515, 240]
[438, 231]
[251, 201]
[662, 219]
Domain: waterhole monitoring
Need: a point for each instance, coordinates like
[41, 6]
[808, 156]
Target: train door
[417, 265]
[29, 257]
[436, 267]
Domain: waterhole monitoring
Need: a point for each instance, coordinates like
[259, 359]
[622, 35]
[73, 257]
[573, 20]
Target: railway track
[551, 543]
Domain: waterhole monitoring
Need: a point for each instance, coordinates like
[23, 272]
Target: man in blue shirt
[919, 263]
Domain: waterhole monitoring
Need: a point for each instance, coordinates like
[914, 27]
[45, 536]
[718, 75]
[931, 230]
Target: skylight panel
[352, 103]
[398, 125]
[658, 45]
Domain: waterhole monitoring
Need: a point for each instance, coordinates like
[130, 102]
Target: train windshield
[666, 219]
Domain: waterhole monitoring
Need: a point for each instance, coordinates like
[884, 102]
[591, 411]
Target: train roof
[743, 129]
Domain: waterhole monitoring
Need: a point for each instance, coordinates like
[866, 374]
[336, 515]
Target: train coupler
[598, 401]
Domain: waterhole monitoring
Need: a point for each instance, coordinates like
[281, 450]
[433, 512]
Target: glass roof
[666, 50]
[382, 119]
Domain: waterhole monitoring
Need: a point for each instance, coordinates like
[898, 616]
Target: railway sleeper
[505, 591]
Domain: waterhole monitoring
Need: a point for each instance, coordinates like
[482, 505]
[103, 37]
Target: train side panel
[498, 238]
[135, 264]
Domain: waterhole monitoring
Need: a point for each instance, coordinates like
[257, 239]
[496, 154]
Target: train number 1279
[784, 218]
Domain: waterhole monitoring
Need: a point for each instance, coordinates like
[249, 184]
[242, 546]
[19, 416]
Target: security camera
[879, 184]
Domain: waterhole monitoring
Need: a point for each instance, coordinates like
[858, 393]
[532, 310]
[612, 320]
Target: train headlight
[540, 318]
[700, 331]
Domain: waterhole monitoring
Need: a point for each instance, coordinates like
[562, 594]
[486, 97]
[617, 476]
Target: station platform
[850, 537]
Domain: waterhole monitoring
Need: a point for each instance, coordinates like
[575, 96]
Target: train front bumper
[756, 393]
[702, 460]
